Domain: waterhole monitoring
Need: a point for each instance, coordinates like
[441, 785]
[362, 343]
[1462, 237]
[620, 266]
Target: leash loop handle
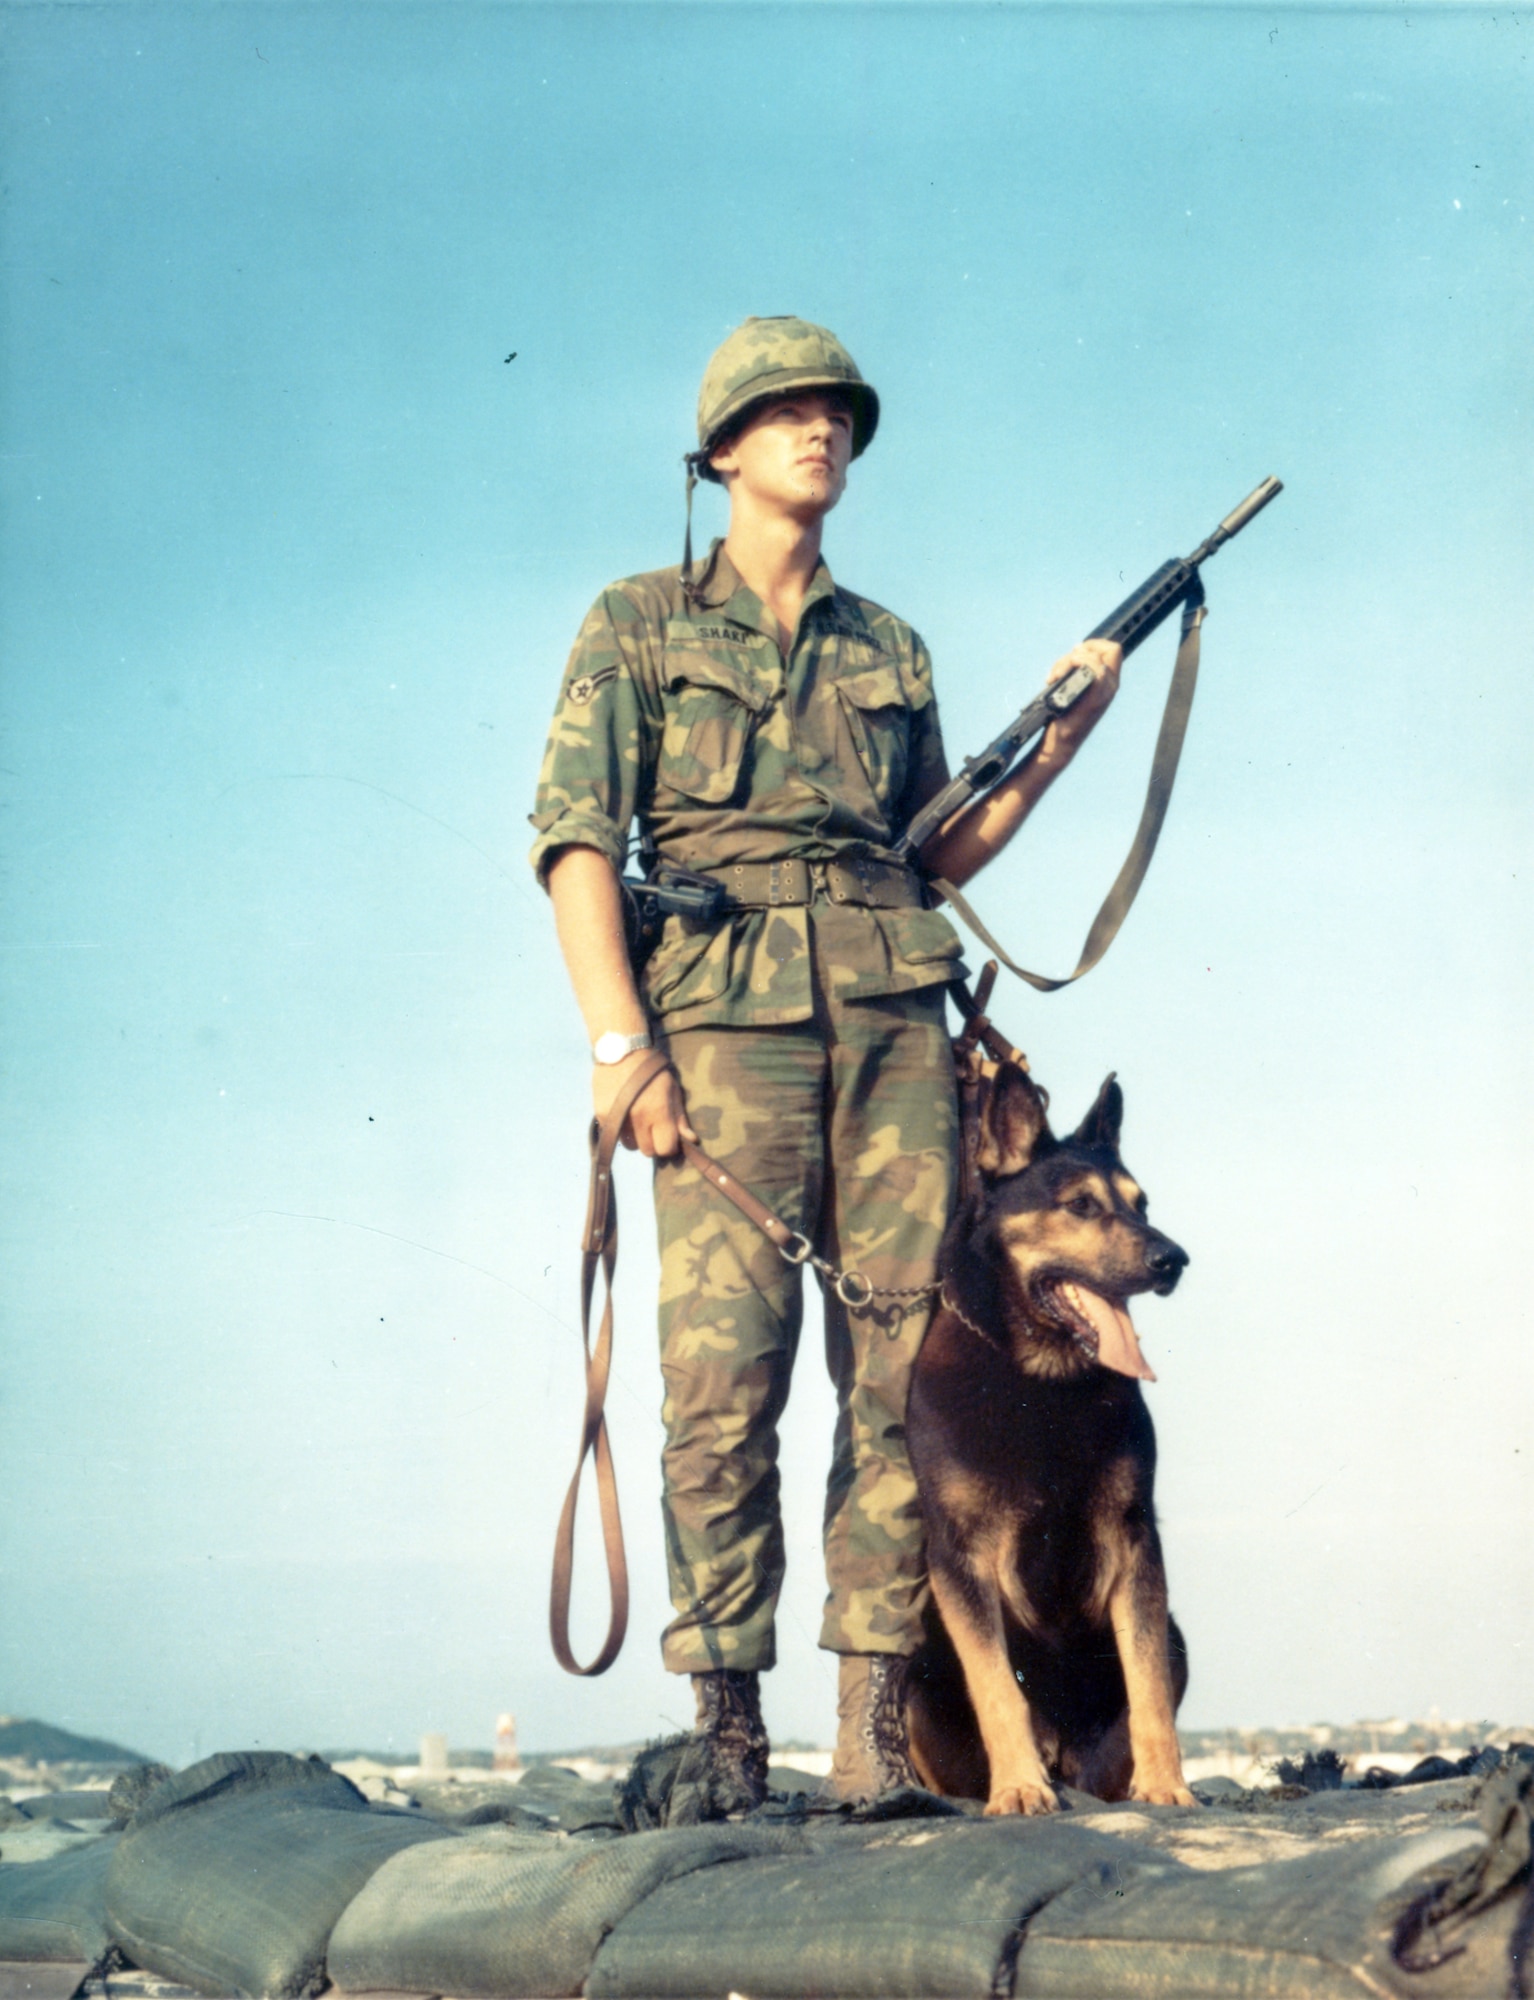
[599, 1250]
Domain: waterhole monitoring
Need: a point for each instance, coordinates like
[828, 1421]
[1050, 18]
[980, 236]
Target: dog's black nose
[1165, 1260]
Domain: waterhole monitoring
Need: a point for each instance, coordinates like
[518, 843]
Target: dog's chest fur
[1039, 1478]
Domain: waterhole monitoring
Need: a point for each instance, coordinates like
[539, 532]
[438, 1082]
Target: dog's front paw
[1175, 1794]
[1024, 1798]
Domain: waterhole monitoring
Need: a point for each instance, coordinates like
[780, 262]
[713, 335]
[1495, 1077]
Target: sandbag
[1316, 1928]
[231, 1876]
[933, 1907]
[130, 1790]
[517, 1914]
[29, 1840]
[246, 1772]
[76, 1806]
[56, 1909]
[548, 1797]
[573, 1801]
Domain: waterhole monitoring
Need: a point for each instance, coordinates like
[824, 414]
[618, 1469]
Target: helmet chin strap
[692, 481]
[691, 590]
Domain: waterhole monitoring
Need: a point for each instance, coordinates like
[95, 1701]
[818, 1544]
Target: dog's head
[1055, 1237]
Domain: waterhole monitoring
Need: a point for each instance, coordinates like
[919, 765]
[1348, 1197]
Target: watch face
[613, 1047]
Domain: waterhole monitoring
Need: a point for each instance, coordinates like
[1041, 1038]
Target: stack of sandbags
[231, 1877]
[258, 1874]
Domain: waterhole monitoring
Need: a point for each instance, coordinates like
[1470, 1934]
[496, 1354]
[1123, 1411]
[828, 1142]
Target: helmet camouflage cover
[774, 357]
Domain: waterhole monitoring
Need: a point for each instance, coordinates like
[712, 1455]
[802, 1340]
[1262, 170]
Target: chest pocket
[877, 710]
[712, 708]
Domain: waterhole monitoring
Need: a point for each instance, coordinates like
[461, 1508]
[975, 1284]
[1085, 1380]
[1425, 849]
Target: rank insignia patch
[584, 686]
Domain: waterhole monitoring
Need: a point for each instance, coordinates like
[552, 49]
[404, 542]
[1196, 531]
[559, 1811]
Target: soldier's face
[793, 454]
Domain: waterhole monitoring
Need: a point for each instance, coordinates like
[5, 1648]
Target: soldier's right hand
[657, 1120]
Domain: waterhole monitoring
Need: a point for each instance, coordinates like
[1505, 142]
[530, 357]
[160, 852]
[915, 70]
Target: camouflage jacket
[689, 717]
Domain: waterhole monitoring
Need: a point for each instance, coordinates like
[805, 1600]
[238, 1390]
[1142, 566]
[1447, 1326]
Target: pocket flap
[921, 937]
[882, 687]
[684, 665]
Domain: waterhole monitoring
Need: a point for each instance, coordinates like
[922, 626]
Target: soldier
[776, 731]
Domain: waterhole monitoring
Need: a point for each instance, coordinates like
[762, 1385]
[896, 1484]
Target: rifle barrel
[1177, 582]
[1237, 518]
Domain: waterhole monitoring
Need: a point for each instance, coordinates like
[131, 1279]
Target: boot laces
[730, 1711]
[884, 1724]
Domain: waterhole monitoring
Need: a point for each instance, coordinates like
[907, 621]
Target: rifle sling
[1116, 905]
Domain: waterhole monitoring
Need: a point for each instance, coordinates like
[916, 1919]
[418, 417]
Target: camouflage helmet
[773, 357]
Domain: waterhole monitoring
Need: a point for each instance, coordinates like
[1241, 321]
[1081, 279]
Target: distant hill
[41, 1743]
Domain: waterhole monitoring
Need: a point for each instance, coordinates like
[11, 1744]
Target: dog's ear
[1103, 1122]
[1014, 1123]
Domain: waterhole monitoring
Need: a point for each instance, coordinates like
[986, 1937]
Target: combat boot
[873, 1752]
[723, 1770]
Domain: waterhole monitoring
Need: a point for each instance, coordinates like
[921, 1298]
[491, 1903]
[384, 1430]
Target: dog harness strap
[1116, 905]
[973, 1075]
[599, 1247]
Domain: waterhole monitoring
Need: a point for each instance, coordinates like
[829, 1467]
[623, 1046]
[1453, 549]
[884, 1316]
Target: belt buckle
[774, 883]
[820, 881]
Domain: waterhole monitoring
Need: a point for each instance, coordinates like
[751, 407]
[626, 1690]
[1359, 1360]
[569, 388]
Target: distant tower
[506, 1757]
[433, 1755]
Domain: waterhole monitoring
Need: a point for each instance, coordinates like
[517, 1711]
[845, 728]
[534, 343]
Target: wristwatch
[613, 1047]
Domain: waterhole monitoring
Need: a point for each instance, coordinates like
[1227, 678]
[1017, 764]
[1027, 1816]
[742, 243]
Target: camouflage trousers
[847, 1128]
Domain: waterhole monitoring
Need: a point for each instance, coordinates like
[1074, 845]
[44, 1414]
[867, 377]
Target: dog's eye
[1082, 1204]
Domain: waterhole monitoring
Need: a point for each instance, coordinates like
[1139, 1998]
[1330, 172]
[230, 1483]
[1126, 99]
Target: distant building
[433, 1755]
[506, 1756]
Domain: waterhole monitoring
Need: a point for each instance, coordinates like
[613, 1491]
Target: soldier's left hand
[1064, 737]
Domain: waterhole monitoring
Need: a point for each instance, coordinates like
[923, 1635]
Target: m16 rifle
[664, 890]
[1176, 583]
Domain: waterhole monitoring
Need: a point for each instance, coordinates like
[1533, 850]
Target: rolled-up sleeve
[594, 768]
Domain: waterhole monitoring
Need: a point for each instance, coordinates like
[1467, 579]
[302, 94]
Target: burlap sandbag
[927, 1907]
[231, 1876]
[514, 1914]
[56, 1909]
[1316, 1928]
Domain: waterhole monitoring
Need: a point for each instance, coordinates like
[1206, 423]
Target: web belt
[771, 885]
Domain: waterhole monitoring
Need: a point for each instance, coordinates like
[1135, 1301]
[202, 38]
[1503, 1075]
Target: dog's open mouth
[1102, 1327]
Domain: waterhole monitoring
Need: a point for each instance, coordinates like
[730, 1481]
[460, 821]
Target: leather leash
[599, 1251]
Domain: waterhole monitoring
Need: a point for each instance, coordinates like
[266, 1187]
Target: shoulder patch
[584, 686]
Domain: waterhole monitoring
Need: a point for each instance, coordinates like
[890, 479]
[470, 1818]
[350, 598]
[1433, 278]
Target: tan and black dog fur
[1054, 1657]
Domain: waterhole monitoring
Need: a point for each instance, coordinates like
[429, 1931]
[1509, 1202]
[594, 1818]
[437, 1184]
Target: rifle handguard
[1175, 584]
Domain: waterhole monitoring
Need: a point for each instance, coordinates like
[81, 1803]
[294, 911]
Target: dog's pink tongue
[1118, 1346]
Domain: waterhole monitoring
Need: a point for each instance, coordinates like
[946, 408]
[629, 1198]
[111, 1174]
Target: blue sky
[294, 1092]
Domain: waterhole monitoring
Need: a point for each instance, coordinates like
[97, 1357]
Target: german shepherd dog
[1054, 1657]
